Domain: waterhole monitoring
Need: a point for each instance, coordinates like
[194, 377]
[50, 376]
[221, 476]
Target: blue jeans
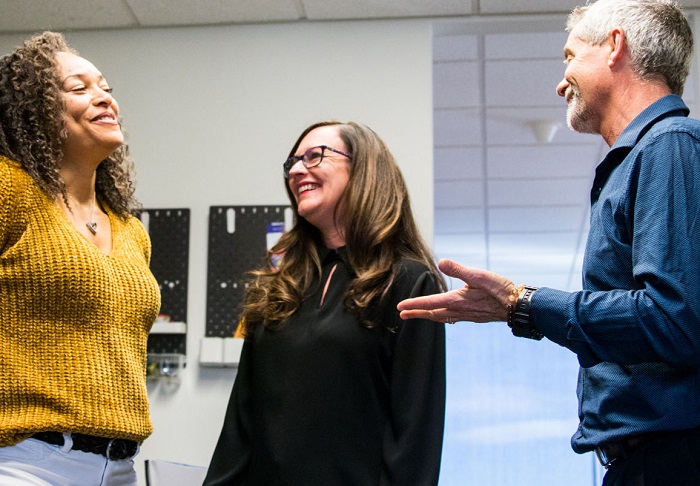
[36, 463]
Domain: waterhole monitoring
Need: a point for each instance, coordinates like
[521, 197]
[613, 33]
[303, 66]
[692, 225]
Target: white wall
[210, 115]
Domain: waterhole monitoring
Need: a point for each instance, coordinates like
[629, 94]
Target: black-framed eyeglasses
[311, 158]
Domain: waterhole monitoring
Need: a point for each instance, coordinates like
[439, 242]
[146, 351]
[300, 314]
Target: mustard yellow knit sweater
[74, 321]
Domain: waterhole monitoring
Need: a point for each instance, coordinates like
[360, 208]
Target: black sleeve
[413, 445]
[229, 463]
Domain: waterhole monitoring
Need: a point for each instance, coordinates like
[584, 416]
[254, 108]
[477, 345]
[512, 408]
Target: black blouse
[326, 401]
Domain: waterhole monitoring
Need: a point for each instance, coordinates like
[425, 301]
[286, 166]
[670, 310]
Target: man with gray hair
[635, 326]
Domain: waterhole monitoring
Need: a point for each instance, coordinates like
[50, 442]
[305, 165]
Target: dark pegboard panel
[170, 238]
[169, 230]
[237, 244]
[167, 343]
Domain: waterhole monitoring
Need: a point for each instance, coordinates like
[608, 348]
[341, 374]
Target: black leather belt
[112, 449]
[621, 449]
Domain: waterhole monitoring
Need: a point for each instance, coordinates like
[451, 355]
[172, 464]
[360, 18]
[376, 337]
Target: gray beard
[578, 117]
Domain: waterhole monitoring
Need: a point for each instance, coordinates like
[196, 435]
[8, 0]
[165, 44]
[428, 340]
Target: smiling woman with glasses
[333, 388]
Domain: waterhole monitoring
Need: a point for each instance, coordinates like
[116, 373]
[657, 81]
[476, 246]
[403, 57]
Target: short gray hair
[657, 32]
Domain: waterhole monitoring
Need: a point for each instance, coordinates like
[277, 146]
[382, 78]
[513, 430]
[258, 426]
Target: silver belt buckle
[603, 458]
[119, 452]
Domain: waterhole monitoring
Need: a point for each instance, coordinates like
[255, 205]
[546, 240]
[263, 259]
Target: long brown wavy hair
[379, 231]
[33, 128]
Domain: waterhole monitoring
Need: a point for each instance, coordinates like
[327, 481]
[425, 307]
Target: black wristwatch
[519, 317]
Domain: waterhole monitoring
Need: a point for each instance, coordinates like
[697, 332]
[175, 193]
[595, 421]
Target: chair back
[168, 473]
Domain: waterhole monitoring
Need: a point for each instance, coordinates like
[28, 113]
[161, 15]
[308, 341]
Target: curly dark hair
[379, 230]
[33, 129]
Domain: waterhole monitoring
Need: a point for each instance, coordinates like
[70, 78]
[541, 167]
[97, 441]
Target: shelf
[169, 328]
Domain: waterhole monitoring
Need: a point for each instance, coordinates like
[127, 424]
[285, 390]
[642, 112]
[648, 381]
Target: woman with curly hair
[77, 297]
[333, 388]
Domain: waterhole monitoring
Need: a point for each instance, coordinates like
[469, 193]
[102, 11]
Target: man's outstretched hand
[485, 297]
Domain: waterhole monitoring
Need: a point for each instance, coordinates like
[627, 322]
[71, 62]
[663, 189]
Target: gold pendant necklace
[92, 224]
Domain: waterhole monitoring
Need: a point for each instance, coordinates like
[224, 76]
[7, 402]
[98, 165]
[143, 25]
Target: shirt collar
[329, 254]
[670, 105]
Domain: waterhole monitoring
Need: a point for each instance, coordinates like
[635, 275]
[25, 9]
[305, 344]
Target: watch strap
[519, 316]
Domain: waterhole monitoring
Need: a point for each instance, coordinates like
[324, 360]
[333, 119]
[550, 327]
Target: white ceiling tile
[456, 84]
[547, 218]
[365, 9]
[554, 192]
[452, 163]
[532, 263]
[525, 45]
[522, 115]
[545, 160]
[455, 48]
[459, 194]
[553, 244]
[458, 127]
[36, 15]
[473, 244]
[187, 12]
[523, 82]
[461, 220]
[556, 270]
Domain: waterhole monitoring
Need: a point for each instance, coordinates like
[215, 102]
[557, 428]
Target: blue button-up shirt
[635, 326]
